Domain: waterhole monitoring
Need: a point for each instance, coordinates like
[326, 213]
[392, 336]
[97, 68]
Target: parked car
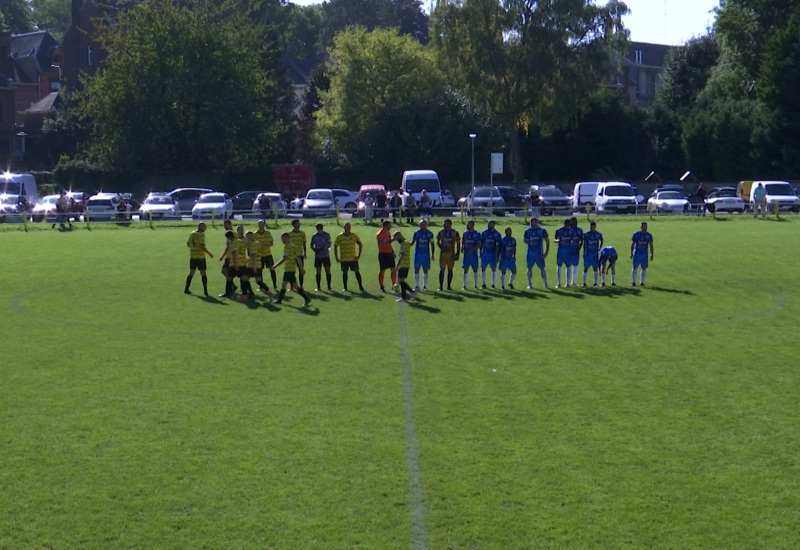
[677, 187]
[186, 197]
[216, 205]
[45, 209]
[107, 206]
[669, 201]
[319, 202]
[275, 203]
[484, 200]
[448, 199]
[296, 204]
[159, 207]
[514, 198]
[13, 208]
[616, 196]
[780, 193]
[346, 200]
[373, 189]
[243, 202]
[414, 181]
[724, 199]
[553, 200]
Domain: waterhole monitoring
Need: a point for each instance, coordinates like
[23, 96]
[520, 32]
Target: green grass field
[134, 416]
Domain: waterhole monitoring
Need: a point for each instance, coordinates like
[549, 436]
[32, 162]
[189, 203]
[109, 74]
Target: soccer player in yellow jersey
[298, 239]
[238, 250]
[403, 265]
[264, 238]
[449, 242]
[346, 243]
[197, 257]
[229, 268]
[291, 264]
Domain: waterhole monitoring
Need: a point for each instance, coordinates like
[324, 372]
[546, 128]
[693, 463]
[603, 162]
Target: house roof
[30, 53]
[653, 55]
[44, 105]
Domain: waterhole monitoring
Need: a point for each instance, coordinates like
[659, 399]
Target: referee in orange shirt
[386, 254]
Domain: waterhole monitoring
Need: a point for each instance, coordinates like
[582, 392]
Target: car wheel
[350, 207]
[711, 208]
[685, 208]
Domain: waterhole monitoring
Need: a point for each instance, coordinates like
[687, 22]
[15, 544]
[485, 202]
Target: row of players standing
[247, 254]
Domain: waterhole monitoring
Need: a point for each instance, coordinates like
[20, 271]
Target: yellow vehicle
[743, 190]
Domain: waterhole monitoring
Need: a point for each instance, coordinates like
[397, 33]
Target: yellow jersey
[197, 245]
[290, 253]
[239, 246]
[347, 246]
[265, 240]
[405, 255]
[298, 239]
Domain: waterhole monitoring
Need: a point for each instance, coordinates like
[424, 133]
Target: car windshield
[779, 189]
[550, 192]
[10, 187]
[10, 200]
[212, 198]
[158, 200]
[510, 192]
[670, 195]
[417, 185]
[620, 191]
[320, 195]
[49, 200]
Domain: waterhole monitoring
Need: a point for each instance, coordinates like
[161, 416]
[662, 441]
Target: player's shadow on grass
[366, 294]
[341, 295]
[311, 311]
[212, 300]
[574, 293]
[419, 305]
[533, 294]
[318, 296]
[475, 295]
[448, 295]
[671, 290]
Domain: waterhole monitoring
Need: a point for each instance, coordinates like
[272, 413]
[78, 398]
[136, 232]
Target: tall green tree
[53, 16]
[186, 89]
[15, 16]
[687, 69]
[529, 62]
[405, 15]
[371, 71]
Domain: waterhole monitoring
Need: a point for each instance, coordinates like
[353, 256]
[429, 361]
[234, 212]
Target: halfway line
[412, 450]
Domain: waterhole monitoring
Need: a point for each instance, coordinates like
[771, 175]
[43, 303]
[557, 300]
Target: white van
[615, 196]
[778, 192]
[583, 193]
[414, 181]
[19, 184]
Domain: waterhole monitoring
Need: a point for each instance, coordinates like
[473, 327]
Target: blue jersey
[564, 238]
[608, 252]
[491, 241]
[470, 241]
[534, 238]
[591, 242]
[641, 242]
[509, 247]
[423, 239]
[577, 239]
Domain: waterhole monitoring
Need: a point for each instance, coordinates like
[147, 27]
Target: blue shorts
[422, 262]
[535, 260]
[640, 260]
[591, 260]
[575, 259]
[508, 264]
[489, 261]
[470, 262]
[607, 260]
[563, 257]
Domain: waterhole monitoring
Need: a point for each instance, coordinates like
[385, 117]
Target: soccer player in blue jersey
[592, 243]
[577, 244]
[470, 245]
[534, 237]
[640, 243]
[423, 254]
[608, 255]
[563, 238]
[490, 252]
[508, 259]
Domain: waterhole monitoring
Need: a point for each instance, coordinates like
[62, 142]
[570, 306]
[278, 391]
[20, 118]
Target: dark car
[186, 197]
[552, 199]
[243, 202]
[672, 187]
[514, 198]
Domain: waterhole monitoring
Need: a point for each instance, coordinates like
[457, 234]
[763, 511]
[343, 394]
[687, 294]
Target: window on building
[638, 55]
[89, 53]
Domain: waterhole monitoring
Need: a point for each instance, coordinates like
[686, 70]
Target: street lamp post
[472, 139]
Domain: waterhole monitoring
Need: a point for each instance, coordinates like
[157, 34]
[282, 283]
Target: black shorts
[402, 273]
[251, 272]
[197, 263]
[289, 277]
[322, 262]
[267, 261]
[385, 260]
[350, 265]
[234, 271]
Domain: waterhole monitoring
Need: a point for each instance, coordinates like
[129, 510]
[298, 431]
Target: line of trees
[202, 86]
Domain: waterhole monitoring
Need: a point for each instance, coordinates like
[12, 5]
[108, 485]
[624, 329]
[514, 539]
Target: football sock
[613, 278]
[465, 279]
[449, 278]
[558, 275]
[301, 276]
[644, 271]
[404, 289]
[344, 279]
[603, 278]
[205, 283]
[281, 294]
[425, 280]
[575, 274]
[441, 279]
[584, 277]
[188, 281]
[633, 275]
[328, 277]
[319, 279]
[511, 279]
[358, 278]
[483, 277]
[494, 278]
[544, 277]
[303, 293]
[416, 279]
[393, 274]
[530, 277]
[595, 276]
[475, 278]
[380, 278]
[274, 278]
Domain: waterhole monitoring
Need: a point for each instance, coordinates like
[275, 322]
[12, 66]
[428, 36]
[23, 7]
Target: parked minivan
[583, 193]
[615, 196]
[19, 184]
[778, 192]
[414, 181]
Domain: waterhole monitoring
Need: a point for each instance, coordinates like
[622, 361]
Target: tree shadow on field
[420, 305]
[671, 290]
